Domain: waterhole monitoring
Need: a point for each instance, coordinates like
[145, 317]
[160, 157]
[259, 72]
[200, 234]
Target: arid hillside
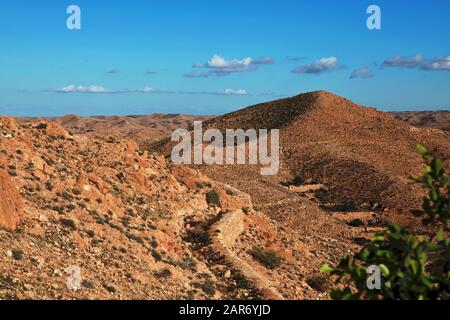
[97, 193]
[355, 158]
[426, 119]
[142, 129]
[135, 226]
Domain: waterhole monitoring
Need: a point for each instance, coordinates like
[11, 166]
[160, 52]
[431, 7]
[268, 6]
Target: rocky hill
[140, 128]
[99, 195]
[426, 119]
[136, 226]
[361, 157]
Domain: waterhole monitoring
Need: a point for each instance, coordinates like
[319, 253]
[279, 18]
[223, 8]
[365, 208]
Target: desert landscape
[101, 193]
[228, 159]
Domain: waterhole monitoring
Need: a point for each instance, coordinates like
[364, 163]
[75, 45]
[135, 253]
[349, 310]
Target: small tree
[412, 266]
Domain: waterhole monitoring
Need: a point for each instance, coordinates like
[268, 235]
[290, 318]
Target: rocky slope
[344, 174]
[99, 196]
[361, 157]
[426, 119]
[142, 129]
[136, 226]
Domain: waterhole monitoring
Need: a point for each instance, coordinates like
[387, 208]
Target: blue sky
[212, 57]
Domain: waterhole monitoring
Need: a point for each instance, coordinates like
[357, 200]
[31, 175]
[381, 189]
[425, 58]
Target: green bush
[213, 198]
[408, 262]
[269, 258]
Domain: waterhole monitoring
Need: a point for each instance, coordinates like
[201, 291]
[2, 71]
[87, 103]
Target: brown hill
[140, 128]
[344, 173]
[141, 228]
[361, 157]
[135, 226]
[426, 119]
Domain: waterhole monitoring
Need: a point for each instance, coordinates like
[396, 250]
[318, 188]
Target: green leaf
[436, 165]
[440, 234]
[326, 268]
[434, 195]
[422, 150]
[415, 266]
[384, 269]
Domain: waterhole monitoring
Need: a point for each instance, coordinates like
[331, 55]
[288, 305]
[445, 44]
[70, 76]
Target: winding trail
[224, 234]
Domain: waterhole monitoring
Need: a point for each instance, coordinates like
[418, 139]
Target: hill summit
[362, 157]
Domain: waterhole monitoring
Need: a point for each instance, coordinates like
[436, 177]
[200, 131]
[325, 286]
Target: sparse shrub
[156, 255]
[41, 126]
[126, 222]
[69, 223]
[318, 282]
[109, 288]
[49, 185]
[164, 273]
[242, 282]
[269, 258]
[404, 257]
[213, 198]
[322, 195]
[199, 184]
[356, 223]
[188, 264]
[133, 237]
[154, 243]
[209, 288]
[70, 207]
[76, 191]
[229, 192]
[88, 284]
[115, 226]
[198, 237]
[17, 254]
[67, 196]
[58, 209]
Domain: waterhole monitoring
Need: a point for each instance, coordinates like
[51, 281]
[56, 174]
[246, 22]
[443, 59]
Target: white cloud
[217, 62]
[88, 89]
[96, 89]
[438, 64]
[362, 73]
[319, 66]
[146, 90]
[404, 62]
[232, 92]
[219, 66]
